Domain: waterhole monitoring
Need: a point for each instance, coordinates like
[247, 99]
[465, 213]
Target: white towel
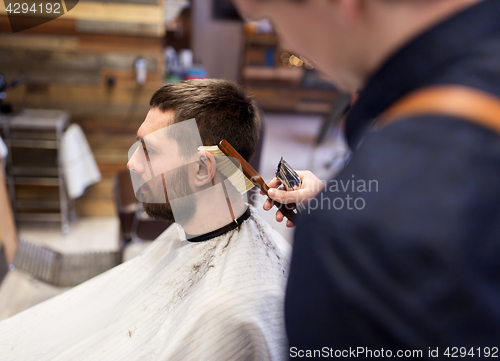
[79, 166]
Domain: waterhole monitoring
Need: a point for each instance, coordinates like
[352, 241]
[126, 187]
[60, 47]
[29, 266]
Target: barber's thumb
[280, 196]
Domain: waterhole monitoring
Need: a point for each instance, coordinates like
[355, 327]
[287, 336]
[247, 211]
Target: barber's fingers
[268, 204]
[285, 197]
[274, 183]
[310, 187]
[280, 217]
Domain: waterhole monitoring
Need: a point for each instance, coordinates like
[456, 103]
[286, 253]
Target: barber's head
[166, 161]
[349, 39]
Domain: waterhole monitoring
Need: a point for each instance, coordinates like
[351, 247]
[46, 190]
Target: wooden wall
[69, 63]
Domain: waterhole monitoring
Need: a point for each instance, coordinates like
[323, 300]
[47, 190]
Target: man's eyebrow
[151, 144]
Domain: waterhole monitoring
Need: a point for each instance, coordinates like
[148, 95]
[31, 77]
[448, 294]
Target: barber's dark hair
[221, 108]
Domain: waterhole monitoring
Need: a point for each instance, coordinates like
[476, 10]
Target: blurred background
[73, 92]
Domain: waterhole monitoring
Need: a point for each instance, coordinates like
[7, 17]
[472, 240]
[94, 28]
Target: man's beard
[184, 207]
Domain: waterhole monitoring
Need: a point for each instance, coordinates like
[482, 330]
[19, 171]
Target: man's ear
[205, 168]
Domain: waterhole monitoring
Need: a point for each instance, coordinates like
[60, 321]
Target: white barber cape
[221, 299]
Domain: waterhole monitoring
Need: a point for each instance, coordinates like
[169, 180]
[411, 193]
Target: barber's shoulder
[425, 131]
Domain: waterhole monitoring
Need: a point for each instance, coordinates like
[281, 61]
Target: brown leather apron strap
[462, 102]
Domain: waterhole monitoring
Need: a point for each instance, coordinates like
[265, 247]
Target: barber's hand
[310, 187]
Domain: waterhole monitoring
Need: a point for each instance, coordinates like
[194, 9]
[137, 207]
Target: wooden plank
[94, 207]
[37, 193]
[97, 94]
[111, 169]
[38, 42]
[17, 58]
[97, 201]
[97, 41]
[83, 42]
[108, 125]
[126, 78]
[120, 113]
[70, 67]
[17, 94]
[146, 2]
[124, 87]
[120, 43]
[110, 142]
[101, 190]
[291, 92]
[57, 26]
[117, 12]
[132, 113]
[119, 28]
[289, 99]
[127, 13]
[95, 98]
[53, 75]
[118, 157]
[61, 26]
[266, 73]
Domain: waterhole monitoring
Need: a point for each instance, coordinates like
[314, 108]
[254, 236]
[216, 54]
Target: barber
[418, 266]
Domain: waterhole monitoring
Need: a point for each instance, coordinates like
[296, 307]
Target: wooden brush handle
[254, 177]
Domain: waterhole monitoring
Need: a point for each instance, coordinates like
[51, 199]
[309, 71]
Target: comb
[229, 169]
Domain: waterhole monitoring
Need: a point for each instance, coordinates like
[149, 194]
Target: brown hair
[221, 108]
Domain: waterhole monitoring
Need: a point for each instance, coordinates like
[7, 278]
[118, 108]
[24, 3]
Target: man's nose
[136, 163]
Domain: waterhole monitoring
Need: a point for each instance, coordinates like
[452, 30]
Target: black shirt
[418, 265]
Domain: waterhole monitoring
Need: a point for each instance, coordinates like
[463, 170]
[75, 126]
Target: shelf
[26, 134]
[271, 74]
[34, 171]
[275, 98]
[34, 175]
[39, 217]
[37, 181]
[276, 83]
[32, 143]
[37, 119]
[37, 204]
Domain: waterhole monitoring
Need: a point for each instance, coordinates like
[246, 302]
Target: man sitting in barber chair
[211, 286]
